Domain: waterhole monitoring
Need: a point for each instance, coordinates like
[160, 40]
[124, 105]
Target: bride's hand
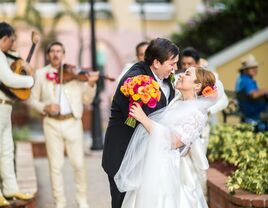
[137, 112]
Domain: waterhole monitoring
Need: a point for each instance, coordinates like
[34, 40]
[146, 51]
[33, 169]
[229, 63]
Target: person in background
[252, 100]
[61, 104]
[140, 52]
[190, 57]
[9, 183]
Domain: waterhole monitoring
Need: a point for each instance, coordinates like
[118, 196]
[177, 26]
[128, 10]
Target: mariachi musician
[60, 100]
[9, 79]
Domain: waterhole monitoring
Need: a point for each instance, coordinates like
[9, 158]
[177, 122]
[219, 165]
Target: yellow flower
[137, 80]
[136, 97]
[155, 84]
[153, 94]
[131, 92]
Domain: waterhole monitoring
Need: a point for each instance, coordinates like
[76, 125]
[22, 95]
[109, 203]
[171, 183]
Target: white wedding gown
[154, 175]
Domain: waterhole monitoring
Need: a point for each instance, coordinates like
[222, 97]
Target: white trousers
[59, 134]
[7, 171]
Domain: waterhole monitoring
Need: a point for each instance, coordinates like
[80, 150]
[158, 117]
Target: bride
[154, 171]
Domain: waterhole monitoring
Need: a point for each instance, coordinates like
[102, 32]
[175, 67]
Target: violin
[71, 72]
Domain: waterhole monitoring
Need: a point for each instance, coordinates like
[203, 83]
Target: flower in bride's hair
[209, 91]
[142, 89]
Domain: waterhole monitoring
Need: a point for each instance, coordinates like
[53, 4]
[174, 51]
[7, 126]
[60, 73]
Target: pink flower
[152, 103]
[135, 88]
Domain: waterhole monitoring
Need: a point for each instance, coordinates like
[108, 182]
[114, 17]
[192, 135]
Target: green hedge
[248, 151]
[214, 31]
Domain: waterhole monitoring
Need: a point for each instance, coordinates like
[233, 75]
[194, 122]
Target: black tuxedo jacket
[119, 134]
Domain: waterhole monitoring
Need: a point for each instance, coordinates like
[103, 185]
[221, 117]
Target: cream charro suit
[7, 77]
[60, 133]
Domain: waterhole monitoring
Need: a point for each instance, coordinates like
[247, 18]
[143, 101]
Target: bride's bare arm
[176, 142]
[137, 113]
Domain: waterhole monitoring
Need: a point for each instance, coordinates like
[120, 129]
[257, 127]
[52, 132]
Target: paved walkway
[98, 188]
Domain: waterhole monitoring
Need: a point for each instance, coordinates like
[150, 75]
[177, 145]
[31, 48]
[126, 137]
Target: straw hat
[248, 61]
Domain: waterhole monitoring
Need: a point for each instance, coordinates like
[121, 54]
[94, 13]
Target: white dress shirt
[164, 86]
[65, 107]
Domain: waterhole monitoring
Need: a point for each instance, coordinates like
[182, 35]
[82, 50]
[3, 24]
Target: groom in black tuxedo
[161, 58]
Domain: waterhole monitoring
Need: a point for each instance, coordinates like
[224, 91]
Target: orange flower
[141, 90]
[124, 90]
[208, 91]
[158, 95]
[145, 98]
[130, 84]
[145, 78]
[148, 88]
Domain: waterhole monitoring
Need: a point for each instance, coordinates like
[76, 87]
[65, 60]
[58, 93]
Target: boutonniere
[172, 78]
[53, 76]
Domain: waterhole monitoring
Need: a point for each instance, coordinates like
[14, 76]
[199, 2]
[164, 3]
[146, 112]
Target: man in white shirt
[8, 79]
[61, 104]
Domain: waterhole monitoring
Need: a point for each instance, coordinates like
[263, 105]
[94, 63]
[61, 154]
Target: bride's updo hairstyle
[206, 78]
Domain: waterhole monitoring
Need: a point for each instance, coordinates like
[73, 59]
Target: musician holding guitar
[61, 103]
[9, 79]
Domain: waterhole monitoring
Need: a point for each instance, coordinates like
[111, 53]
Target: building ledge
[154, 11]
[103, 9]
[8, 9]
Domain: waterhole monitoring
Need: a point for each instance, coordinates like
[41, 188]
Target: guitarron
[17, 67]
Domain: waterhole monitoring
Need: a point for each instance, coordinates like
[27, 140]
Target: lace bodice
[189, 128]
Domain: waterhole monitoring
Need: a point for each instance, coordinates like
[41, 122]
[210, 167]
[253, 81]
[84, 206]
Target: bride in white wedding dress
[154, 171]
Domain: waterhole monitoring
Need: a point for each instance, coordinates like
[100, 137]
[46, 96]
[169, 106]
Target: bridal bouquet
[142, 89]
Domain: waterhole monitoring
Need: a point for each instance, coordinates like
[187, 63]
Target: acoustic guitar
[17, 67]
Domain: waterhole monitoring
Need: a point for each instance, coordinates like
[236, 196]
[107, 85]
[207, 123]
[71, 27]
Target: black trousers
[117, 196]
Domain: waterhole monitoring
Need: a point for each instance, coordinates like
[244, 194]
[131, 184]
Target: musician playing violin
[61, 103]
[8, 78]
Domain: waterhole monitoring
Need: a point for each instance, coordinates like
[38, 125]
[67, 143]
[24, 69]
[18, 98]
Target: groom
[161, 58]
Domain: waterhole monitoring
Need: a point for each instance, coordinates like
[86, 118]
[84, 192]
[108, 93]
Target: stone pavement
[98, 187]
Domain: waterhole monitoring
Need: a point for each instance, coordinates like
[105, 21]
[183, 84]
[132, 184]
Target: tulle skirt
[178, 187]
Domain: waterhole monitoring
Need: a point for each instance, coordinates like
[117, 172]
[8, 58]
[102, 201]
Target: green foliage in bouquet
[240, 146]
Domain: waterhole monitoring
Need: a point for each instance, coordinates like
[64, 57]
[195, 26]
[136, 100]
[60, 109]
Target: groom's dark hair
[160, 49]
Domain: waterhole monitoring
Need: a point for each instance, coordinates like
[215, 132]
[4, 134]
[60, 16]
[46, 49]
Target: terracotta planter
[220, 198]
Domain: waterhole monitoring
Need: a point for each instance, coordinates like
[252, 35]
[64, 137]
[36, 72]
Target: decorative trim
[49, 9]
[154, 11]
[8, 9]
